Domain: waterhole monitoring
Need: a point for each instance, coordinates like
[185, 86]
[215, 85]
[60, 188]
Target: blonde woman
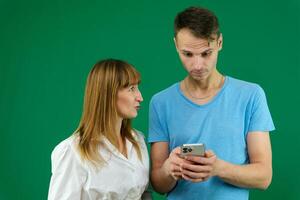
[105, 158]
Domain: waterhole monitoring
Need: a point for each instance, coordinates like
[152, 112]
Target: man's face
[198, 56]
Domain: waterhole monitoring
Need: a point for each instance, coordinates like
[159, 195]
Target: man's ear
[175, 42]
[220, 42]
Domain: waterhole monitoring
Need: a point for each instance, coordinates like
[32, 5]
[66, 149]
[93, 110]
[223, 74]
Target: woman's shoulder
[138, 135]
[65, 151]
[65, 145]
[140, 138]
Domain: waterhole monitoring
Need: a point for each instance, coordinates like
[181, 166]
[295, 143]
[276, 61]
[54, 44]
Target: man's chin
[198, 77]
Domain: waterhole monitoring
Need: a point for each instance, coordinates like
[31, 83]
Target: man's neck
[210, 83]
[201, 92]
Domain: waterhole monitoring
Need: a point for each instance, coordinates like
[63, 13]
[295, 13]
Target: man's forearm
[254, 175]
[161, 181]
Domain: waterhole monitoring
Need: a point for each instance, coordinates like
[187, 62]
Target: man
[229, 116]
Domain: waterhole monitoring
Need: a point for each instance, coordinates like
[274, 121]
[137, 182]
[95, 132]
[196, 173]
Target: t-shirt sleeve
[260, 119]
[68, 175]
[157, 128]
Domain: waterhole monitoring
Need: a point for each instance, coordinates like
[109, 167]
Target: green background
[48, 47]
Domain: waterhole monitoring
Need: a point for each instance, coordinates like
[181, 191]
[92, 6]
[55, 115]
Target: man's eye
[187, 54]
[205, 54]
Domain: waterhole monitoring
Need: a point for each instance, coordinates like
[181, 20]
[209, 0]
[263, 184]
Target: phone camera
[187, 150]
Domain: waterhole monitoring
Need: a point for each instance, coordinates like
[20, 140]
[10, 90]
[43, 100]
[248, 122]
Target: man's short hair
[202, 22]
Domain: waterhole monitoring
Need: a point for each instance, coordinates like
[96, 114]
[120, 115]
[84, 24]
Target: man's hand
[172, 165]
[199, 168]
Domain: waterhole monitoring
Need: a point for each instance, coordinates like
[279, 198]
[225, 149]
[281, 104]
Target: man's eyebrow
[206, 50]
[209, 49]
[185, 50]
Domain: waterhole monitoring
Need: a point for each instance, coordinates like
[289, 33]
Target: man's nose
[198, 62]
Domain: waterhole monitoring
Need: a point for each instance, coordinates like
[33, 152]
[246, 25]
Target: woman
[105, 158]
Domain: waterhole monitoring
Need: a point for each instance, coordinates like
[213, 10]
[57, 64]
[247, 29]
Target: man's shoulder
[165, 94]
[242, 85]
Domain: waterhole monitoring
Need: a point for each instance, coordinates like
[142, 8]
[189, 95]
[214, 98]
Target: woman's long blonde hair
[99, 116]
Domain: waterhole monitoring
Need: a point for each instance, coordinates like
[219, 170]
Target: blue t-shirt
[222, 125]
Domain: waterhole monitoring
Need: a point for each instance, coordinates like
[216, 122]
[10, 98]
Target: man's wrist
[165, 168]
[167, 172]
[218, 168]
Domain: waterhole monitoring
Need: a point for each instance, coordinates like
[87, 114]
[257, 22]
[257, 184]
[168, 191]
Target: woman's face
[128, 101]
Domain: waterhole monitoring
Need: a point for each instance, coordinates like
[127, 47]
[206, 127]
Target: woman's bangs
[130, 77]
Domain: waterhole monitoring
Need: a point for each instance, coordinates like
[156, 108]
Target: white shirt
[119, 178]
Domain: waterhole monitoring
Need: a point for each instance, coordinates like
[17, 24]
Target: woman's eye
[132, 88]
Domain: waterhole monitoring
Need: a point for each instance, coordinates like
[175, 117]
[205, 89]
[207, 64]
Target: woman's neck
[121, 141]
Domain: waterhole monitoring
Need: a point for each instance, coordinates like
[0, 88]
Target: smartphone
[192, 149]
